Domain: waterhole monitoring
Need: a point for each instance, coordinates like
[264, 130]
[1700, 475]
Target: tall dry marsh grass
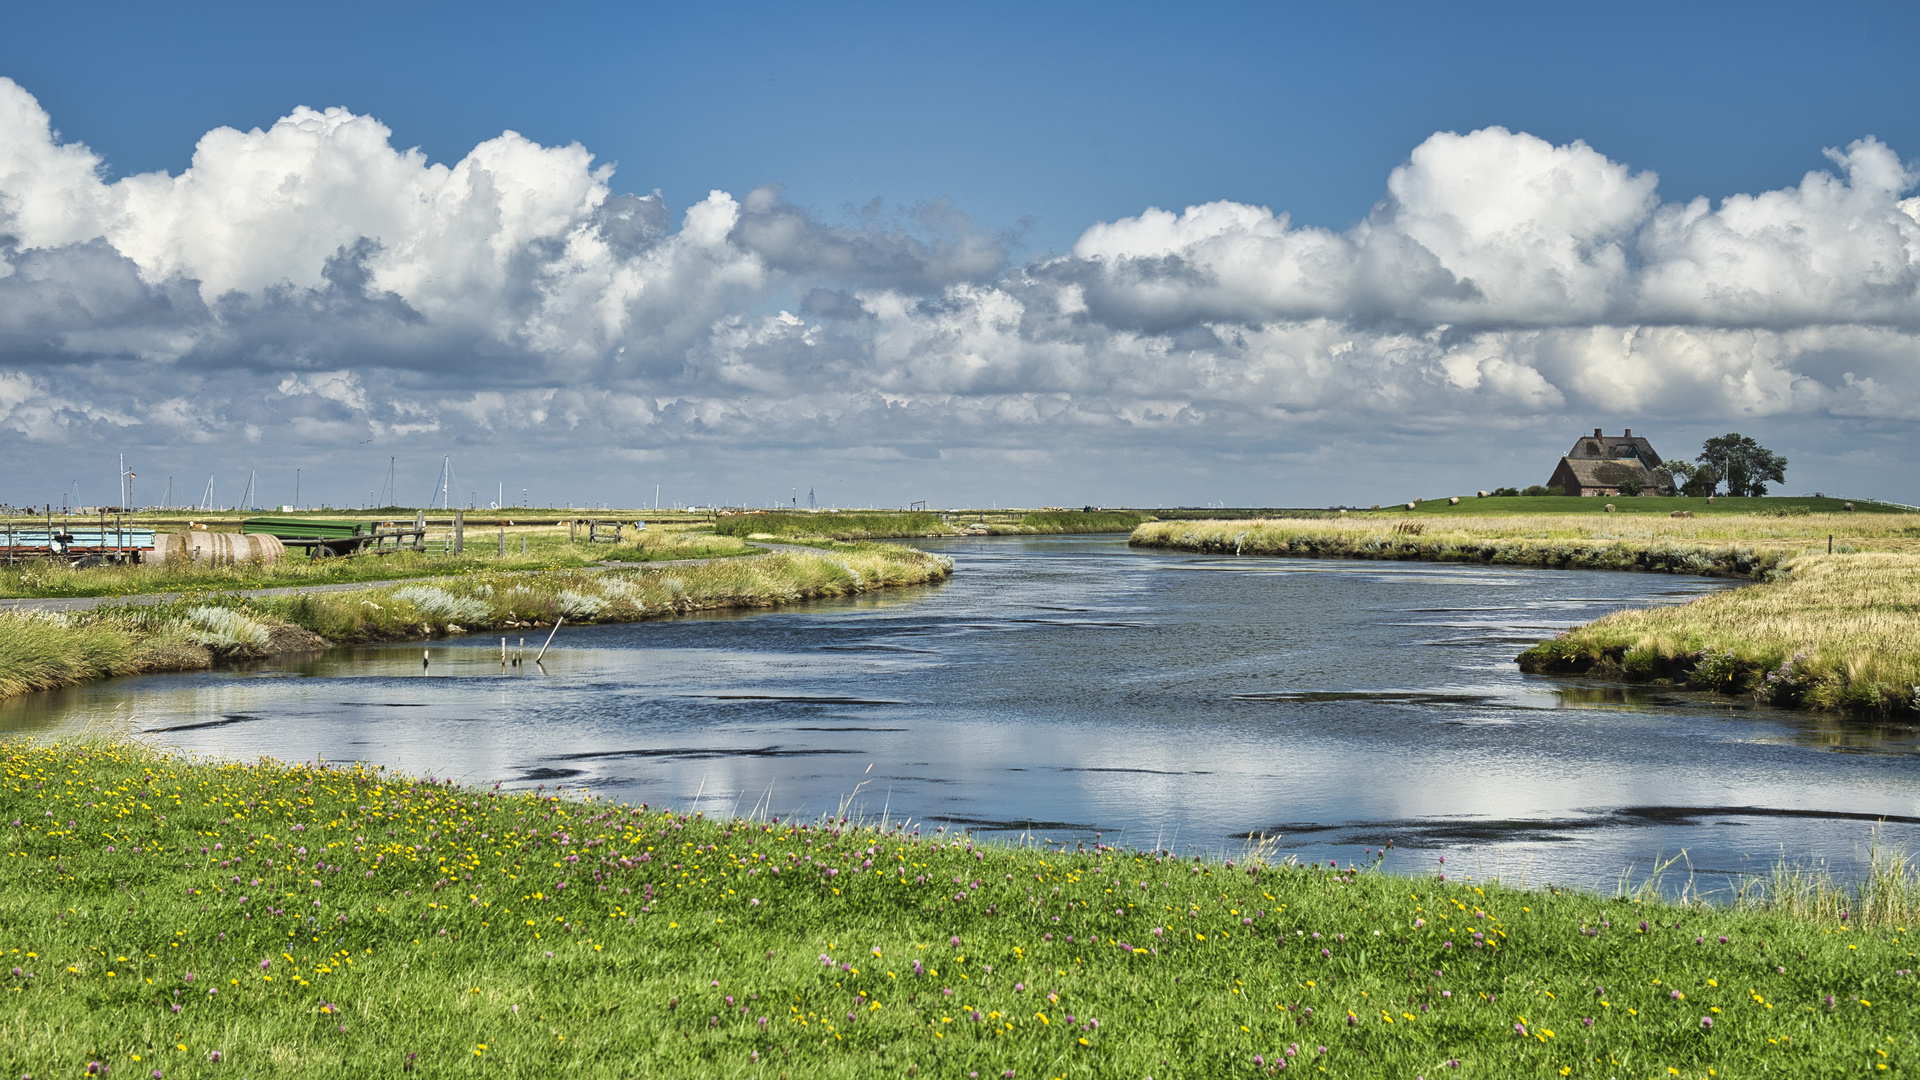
[1833, 632]
[1731, 544]
[44, 650]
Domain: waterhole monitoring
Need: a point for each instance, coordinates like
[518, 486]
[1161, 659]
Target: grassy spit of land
[40, 650]
[1719, 543]
[1837, 632]
[199, 919]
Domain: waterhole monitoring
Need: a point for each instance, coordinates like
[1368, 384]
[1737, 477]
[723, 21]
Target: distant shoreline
[1815, 630]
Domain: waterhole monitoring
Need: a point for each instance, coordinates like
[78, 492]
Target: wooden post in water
[550, 633]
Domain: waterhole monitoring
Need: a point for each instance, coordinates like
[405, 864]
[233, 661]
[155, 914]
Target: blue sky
[1061, 114]
[1024, 127]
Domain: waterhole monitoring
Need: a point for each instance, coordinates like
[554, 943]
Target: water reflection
[1586, 696]
[1069, 686]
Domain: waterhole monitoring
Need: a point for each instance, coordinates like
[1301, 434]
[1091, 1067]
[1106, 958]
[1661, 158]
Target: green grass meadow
[186, 919]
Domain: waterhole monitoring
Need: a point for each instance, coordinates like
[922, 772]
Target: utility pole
[296, 489]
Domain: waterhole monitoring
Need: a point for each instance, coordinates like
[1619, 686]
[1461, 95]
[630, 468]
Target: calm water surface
[1068, 687]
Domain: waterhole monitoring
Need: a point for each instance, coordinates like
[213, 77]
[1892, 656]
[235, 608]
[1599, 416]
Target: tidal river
[1068, 688]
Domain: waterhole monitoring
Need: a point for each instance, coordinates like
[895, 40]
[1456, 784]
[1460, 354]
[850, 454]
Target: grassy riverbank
[527, 546]
[1727, 545]
[1838, 632]
[211, 920]
[40, 650]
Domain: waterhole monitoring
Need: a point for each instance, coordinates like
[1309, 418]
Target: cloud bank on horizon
[315, 281]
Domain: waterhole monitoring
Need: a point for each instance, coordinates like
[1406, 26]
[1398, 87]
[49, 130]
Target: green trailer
[324, 539]
[321, 538]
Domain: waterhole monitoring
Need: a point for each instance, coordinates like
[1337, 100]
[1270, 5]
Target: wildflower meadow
[161, 917]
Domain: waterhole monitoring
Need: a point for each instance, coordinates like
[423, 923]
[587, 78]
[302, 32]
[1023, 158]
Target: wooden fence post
[459, 531]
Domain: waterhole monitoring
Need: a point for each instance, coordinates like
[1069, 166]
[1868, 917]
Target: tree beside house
[1626, 464]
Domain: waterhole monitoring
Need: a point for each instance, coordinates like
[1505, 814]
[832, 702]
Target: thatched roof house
[1602, 464]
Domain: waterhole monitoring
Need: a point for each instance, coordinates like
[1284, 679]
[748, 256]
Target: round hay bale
[217, 549]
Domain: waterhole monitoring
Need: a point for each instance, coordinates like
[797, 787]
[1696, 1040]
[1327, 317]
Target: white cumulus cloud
[313, 282]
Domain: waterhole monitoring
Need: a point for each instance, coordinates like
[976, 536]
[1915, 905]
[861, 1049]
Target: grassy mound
[279, 920]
